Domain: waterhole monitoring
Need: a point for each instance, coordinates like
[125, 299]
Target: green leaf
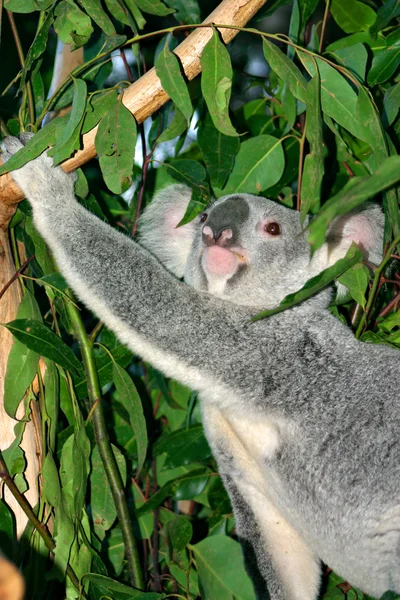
[69, 139]
[354, 58]
[221, 578]
[118, 10]
[102, 504]
[168, 69]
[130, 399]
[350, 197]
[352, 16]
[356, 280]
[216, 83]
[187, 171]
[259, 165]
[177, 126]
[314, 162]
[386, 60]
[198, 202]
[285, 69]
[71, 24]
[115, 144]
[338, 100]
[187, 11]
[51, 404]
[37, 48]
[186, 487]
[353, 256]
[391, 104]
[97, 107]
[51, 482]
[20, 6]
[390, 10]
[154, 7]
[41, 339]
[35, 146]
[307, 8]
[183, 446]
[105, 587]
[22, 362]
[218, 151]
[96, 12]
[178, 532]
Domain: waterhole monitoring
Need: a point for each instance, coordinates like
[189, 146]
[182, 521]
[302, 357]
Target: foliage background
[314, 123]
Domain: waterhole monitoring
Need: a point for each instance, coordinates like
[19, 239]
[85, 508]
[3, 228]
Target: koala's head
[248, 249]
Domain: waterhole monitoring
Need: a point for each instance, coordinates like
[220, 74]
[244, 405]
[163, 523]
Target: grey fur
[303, 419]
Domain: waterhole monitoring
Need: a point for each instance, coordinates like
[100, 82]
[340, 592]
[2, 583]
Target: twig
[156, 569]
[16, 275]
[105, 450]
[374, 287]
[40, 527]
[301, 159]
[324, 22]
[390, 306]
[31, 104]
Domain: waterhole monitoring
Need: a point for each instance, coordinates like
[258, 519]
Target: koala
[302, 418]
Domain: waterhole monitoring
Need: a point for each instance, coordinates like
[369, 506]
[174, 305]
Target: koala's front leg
[180, 331]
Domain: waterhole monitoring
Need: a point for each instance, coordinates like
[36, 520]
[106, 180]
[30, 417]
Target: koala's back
[323, 424]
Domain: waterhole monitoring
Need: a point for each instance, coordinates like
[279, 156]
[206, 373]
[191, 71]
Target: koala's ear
[158, 232]
[363, 226]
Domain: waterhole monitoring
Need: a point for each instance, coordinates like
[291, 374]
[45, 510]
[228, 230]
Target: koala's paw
[38, 179]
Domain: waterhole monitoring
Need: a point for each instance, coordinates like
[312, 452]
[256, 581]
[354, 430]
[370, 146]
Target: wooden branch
[146, 95]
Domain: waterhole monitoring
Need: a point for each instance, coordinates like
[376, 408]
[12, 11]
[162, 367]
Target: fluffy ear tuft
[363, 226]
[158, 232]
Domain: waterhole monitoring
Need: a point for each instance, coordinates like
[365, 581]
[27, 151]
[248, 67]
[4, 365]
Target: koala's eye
[272, 228]
[203, 217]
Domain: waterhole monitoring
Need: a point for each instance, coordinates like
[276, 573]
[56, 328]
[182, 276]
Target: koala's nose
[222, 237]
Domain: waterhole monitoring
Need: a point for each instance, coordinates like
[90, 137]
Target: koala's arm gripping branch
[146, 95]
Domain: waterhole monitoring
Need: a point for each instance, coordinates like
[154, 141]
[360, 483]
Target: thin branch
[324, 22]
[390, 306]
[31, 104]
[375, 286]
[16, 275]
[154, 552]
[105, 450]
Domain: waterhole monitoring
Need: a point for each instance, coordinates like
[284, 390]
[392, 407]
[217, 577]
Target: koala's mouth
[221, 262]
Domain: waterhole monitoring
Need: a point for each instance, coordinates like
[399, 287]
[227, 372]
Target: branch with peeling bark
[146, 95]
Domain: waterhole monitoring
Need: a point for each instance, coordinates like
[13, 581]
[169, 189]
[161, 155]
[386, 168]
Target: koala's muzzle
[224, 222]
[222, 255]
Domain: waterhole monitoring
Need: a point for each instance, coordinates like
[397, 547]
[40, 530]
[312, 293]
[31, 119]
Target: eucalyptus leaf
[259, 165]
[221, 578]
[285, 69]
[41, 339]
[314, 285]
[168, 70]
[349, 198]
[72, 25]
[218, 151]
[216, 83]
[130, 399]
[96, 12]
[352, 16]
[115, 145]
[313, 170]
